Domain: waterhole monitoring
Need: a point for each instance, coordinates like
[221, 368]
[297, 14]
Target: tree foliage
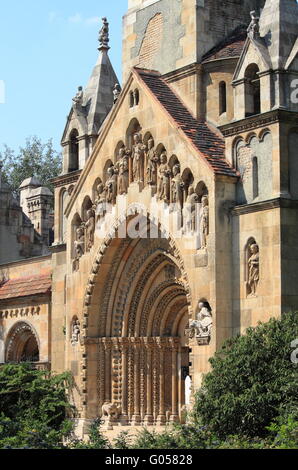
[34, 159]
[253, 381]
[33, 407]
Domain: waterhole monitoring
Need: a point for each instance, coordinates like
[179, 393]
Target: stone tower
[166, 35]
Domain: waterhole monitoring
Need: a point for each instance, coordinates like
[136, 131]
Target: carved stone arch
[22, 343]
[107, 165]
[201, 190]
[162, 309]
[188, 180]
[86, 206]
[119, 146]
[173, 161]
[96, 183]
[75, 224]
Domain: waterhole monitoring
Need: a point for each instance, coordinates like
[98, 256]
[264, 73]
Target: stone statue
[104, 37]
[111, 410]
[190, 209]
[111, 186]
[204, 222]
[123, 171]
[164, 173]
[100, 201]
[177, 188]
[79, 245]
[253, 270]
[78, 99]
[254, 26]
[201, 327]
[152, 161]
[90, 229]
[138, 155]
[116, 92]
[75, 332]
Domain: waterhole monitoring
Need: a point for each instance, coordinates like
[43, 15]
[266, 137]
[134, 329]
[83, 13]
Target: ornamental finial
[104, 37]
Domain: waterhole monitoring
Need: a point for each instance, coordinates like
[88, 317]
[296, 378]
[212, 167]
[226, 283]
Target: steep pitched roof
[205, 140]
[25, 287]
[231, 46]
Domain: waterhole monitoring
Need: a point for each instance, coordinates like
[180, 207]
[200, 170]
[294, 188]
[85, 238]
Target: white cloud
[93, 20]
[79, 19]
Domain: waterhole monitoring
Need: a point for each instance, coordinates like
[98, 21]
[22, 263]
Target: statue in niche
[204, 222]
[201, 328]
[253, 270]
[152, 162]
[104, 37]
[190, 209]
[253, 30]
[90, 229]
[123, 171]
[100, 201]
[164, 174]
[138, 155]
[79, 245]
[116, 92]
[177, 187]
[75, 332]
[111, 186]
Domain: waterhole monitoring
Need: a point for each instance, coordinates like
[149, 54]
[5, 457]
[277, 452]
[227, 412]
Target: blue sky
[47, 49]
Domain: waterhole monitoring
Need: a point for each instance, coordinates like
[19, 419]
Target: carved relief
[190, 210]
[201, 328]
[79, 246]
[111, 186]
[75, 332]
[138, 157]
[177, 188]
[164, 174]
[204, 222]
[152, 162]
[90, 229]
[100, 201]
[123, 171]
[253, 269]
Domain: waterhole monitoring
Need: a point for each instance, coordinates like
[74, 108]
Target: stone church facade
[176, 213]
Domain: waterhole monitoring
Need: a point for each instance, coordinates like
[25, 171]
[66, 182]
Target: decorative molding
[19, 312]
[265, 206]
[65, 180]
[260, 120]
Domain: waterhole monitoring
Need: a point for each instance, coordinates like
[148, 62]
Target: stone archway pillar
[175, 348]
[149, 409]
[161, 419]
[136, 419]
[124, 403]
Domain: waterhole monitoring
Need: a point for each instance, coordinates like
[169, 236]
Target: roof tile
[26, 286]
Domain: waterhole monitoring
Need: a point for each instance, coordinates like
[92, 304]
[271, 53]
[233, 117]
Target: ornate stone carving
[253, 30]
[138, 156]
[78, 99]
[111, 410]
[90, 229]
[152, 162]
[177, 188]
[79, 246]
[204, 222]
[111, 186]
[201, 328]
[116, 92]
[190, 209]
[123, 171]
[253, 270]
[104, 37]
[164, 174]
[75, 332]
[100, 201]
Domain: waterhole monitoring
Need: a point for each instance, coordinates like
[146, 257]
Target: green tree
[253, 381]
[34, 159]
[33, 407]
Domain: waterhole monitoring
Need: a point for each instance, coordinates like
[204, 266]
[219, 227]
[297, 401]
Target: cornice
[276, 203]
[64, 180]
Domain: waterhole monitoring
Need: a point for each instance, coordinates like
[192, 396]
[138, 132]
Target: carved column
[162, 416]
[155, 380]
[149, 392]
[101, 375]
[130, 381]
[175, 348]
[124, 391]
[116, 372]
[143, 377]
[136, 419]
[108, 378]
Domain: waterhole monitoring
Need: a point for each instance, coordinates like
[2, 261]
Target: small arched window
[222, 98]
[131, 100]
[136, 97]
[255, 177]
[74, 151]
[252, 91]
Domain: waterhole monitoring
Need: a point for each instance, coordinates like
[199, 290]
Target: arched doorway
[137, 320]
[22, 344]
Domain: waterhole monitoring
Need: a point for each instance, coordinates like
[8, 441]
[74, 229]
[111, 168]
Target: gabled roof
[25, 287]
[206, 141]
[231, 46]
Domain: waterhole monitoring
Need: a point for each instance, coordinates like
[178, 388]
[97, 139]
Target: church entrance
[142, 350]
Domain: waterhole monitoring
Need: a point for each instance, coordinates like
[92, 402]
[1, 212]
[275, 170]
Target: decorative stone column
[124, 390]
[175, 342]
[149, 392]
[101, 375]
[108, 350]
[130, 380]
[136, 419]
[161, 419]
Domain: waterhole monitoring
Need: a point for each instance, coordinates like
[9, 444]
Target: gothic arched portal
[22, 344]
[138, 313]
